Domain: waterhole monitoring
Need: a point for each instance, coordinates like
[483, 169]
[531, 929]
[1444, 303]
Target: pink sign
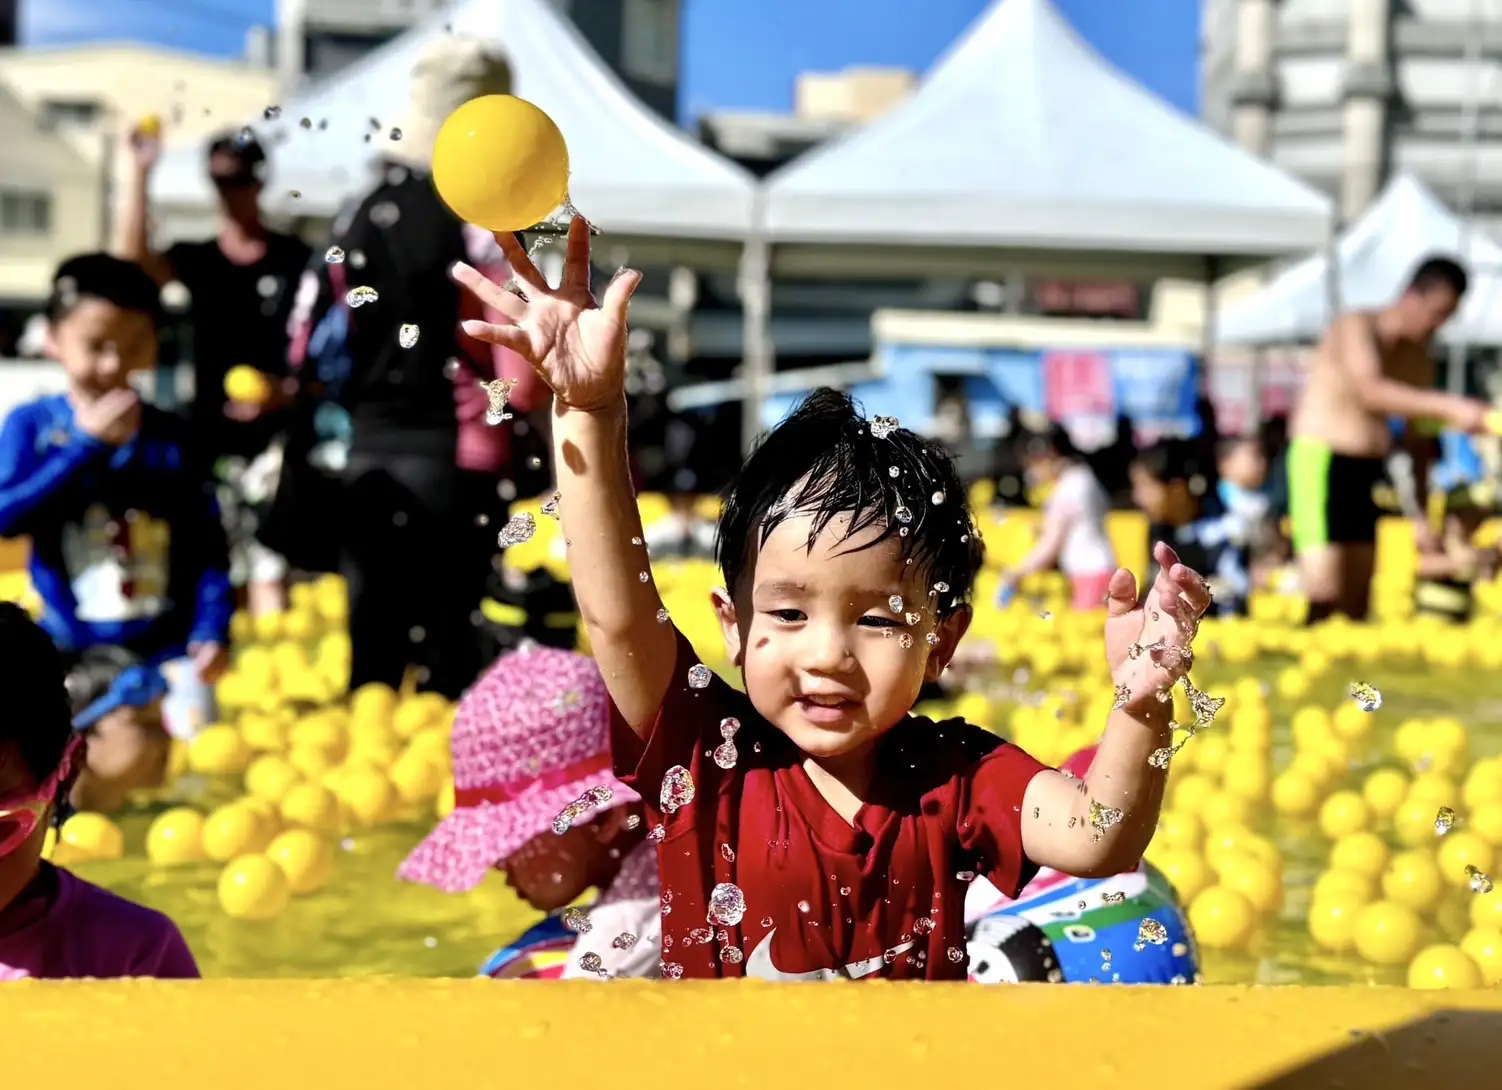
[1078, 384]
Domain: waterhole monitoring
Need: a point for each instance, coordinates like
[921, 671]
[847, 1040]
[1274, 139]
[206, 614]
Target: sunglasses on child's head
[22, 812]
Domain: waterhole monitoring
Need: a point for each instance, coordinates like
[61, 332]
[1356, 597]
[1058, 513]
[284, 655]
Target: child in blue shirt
[127, 548]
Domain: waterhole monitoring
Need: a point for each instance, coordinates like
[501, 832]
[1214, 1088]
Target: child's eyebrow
[781, 587]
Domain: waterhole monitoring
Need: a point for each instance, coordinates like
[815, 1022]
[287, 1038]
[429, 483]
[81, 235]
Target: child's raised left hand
[1147, 645]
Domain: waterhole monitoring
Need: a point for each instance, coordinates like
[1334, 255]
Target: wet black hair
[38, 720]
[1169, 460]
[826, 459]
[1439, 271]
[102, 276]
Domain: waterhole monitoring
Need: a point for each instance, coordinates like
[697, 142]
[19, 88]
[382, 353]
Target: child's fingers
[488, 291]
[507, 336]
[618, 295]
[1121, 593]
[1165, 556]
[1192, 587]
[521, 265]
[576, 262]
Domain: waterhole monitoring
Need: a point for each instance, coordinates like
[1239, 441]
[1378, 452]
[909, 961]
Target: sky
[737, 54]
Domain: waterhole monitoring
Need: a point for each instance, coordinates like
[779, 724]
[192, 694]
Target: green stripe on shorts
[1309, 493]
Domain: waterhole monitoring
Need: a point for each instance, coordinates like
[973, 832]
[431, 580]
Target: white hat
[450, 70]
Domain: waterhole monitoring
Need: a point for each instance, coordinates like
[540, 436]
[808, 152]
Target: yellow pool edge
[475, 1033]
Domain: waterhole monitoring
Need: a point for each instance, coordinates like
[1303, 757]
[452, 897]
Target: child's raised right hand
[578, 346]
[112, 418]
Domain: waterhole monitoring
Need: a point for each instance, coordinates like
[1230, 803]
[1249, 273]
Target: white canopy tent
[633, 174]
[1022, 137]
[1376, 255]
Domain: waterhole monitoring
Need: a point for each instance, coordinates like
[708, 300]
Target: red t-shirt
[822, 899]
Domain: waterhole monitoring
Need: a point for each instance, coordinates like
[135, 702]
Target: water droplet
[902, 514]
[1367, 697]
[357, 259]
[643, 577]
[803, 906]
[726, 755]
[904, 640]
[396, 134]
[894, 603]
[518, 528]
[406, 336]
[662, 616]
[728, 853]
[932, 639]
[624, 941]
[894, 472]
[955, 954]
[941, 588]
[271, 113]
[1480, 883]
[334, 255]
[247, 135]
[1151, 931]
[1103, 817]
[550, 506]
[633, 821]
[964, 876]
[677, 789]
[1159, 758]
[1123, 696]
[576, 919]
[922, 925]
[671, 970]
[358, 297]
[883, 426]
[496, 391]
[731, 955]
[1444, 821]
[592, 963]
[699, 676]
[937, 498]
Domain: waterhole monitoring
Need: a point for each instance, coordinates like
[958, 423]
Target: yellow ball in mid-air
[246, 384]
[500, 163]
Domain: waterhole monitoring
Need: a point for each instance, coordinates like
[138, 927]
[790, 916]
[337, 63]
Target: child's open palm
[1147, 645]
[578, 346]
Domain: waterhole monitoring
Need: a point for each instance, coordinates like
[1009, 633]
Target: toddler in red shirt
[812, 828]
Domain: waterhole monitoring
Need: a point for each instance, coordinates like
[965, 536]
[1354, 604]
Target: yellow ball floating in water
[176, 837]
[500, 163]
[1332, 920]
[1437, 967]
[219, 750]
[304, 857]
[252, 887]
[311, 806]
[234, 830]
[1387, 933]
[92, 837]
[1222, 919]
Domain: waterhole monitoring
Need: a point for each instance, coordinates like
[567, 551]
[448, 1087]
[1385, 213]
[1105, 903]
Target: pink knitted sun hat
[531, 737]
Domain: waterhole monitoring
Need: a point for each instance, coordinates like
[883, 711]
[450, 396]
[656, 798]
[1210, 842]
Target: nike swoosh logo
[759, 964]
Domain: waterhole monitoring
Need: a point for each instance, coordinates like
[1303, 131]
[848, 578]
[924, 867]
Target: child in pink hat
[534, 797]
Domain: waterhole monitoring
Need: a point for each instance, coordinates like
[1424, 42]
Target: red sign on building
[1078, 384]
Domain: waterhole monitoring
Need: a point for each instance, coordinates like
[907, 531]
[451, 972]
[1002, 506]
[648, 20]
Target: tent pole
[1469, 135]
[757, 350]
[1207, 339]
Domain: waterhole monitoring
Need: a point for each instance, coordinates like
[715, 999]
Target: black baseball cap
[246, 160]
[103, 276]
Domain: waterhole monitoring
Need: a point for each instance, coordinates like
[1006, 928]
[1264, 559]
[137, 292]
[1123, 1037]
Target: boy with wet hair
[127, 549]
[811, 827]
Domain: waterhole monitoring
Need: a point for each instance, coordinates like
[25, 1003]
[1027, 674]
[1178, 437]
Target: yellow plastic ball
[1344, 813]
[1412, 879]
[1222, 919]
[175, 837]
[1185, 871]
[443, 805]
[1225, 810]
[1387, 933]
[92, 837]
[1384, 791]
[304, 857]
[262, 732]
[270, 777]
[1460, 849]
[1343, 883]
[311, 806]
[320, 731]
[149, 127]
[415, 778]
[1413, 824]
[366, 792]
[1360, 853]
[501, 163]
[1484, 946]
[1437, 967]
[1191, 792]
[252, 887]
[234, 830]
[1351, 723]
[1254, 880]
[1179, 829]
[1483, 784]
[1246, 775]
[1332, 921]
[1486, 911]
[1436, 789]
[1486, 822]
[247, 385]
[418, 712]
[1449, 742]
[1294, 795]
[372, 705]
[219, 750]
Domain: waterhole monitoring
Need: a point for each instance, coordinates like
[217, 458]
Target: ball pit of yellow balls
[501, 163]
[88, 837]
[252, 887]
[246, 385]
[1222, 919]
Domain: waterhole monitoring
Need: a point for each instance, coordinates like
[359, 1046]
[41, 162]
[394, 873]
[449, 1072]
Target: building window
[24, 213]
[649, 40]
[68, 113]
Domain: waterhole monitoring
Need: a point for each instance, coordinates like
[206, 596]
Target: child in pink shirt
[53, 924]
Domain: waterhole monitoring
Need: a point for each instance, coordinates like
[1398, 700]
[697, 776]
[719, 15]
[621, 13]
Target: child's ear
[730, 628]
[49, 343]
[950, 631]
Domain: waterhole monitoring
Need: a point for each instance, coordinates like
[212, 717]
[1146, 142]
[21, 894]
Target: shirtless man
[1371, 372]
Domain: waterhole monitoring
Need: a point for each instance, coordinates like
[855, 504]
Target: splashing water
[550, 505]
[359, 296]
[727, 905]
[518, 528]
[1150, 931]
[1480, 883]
[576, 919]
[883, 426]
[334, 255]
[725, 754]
[497, 390]
[1444, 821]
[406, 336]
[894, 603]
[1368, 698]
[1123, 697]
[699, 676]
[677, 789]
[1103, 817]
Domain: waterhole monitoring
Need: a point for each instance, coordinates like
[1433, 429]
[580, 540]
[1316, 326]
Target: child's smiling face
[828, 652]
